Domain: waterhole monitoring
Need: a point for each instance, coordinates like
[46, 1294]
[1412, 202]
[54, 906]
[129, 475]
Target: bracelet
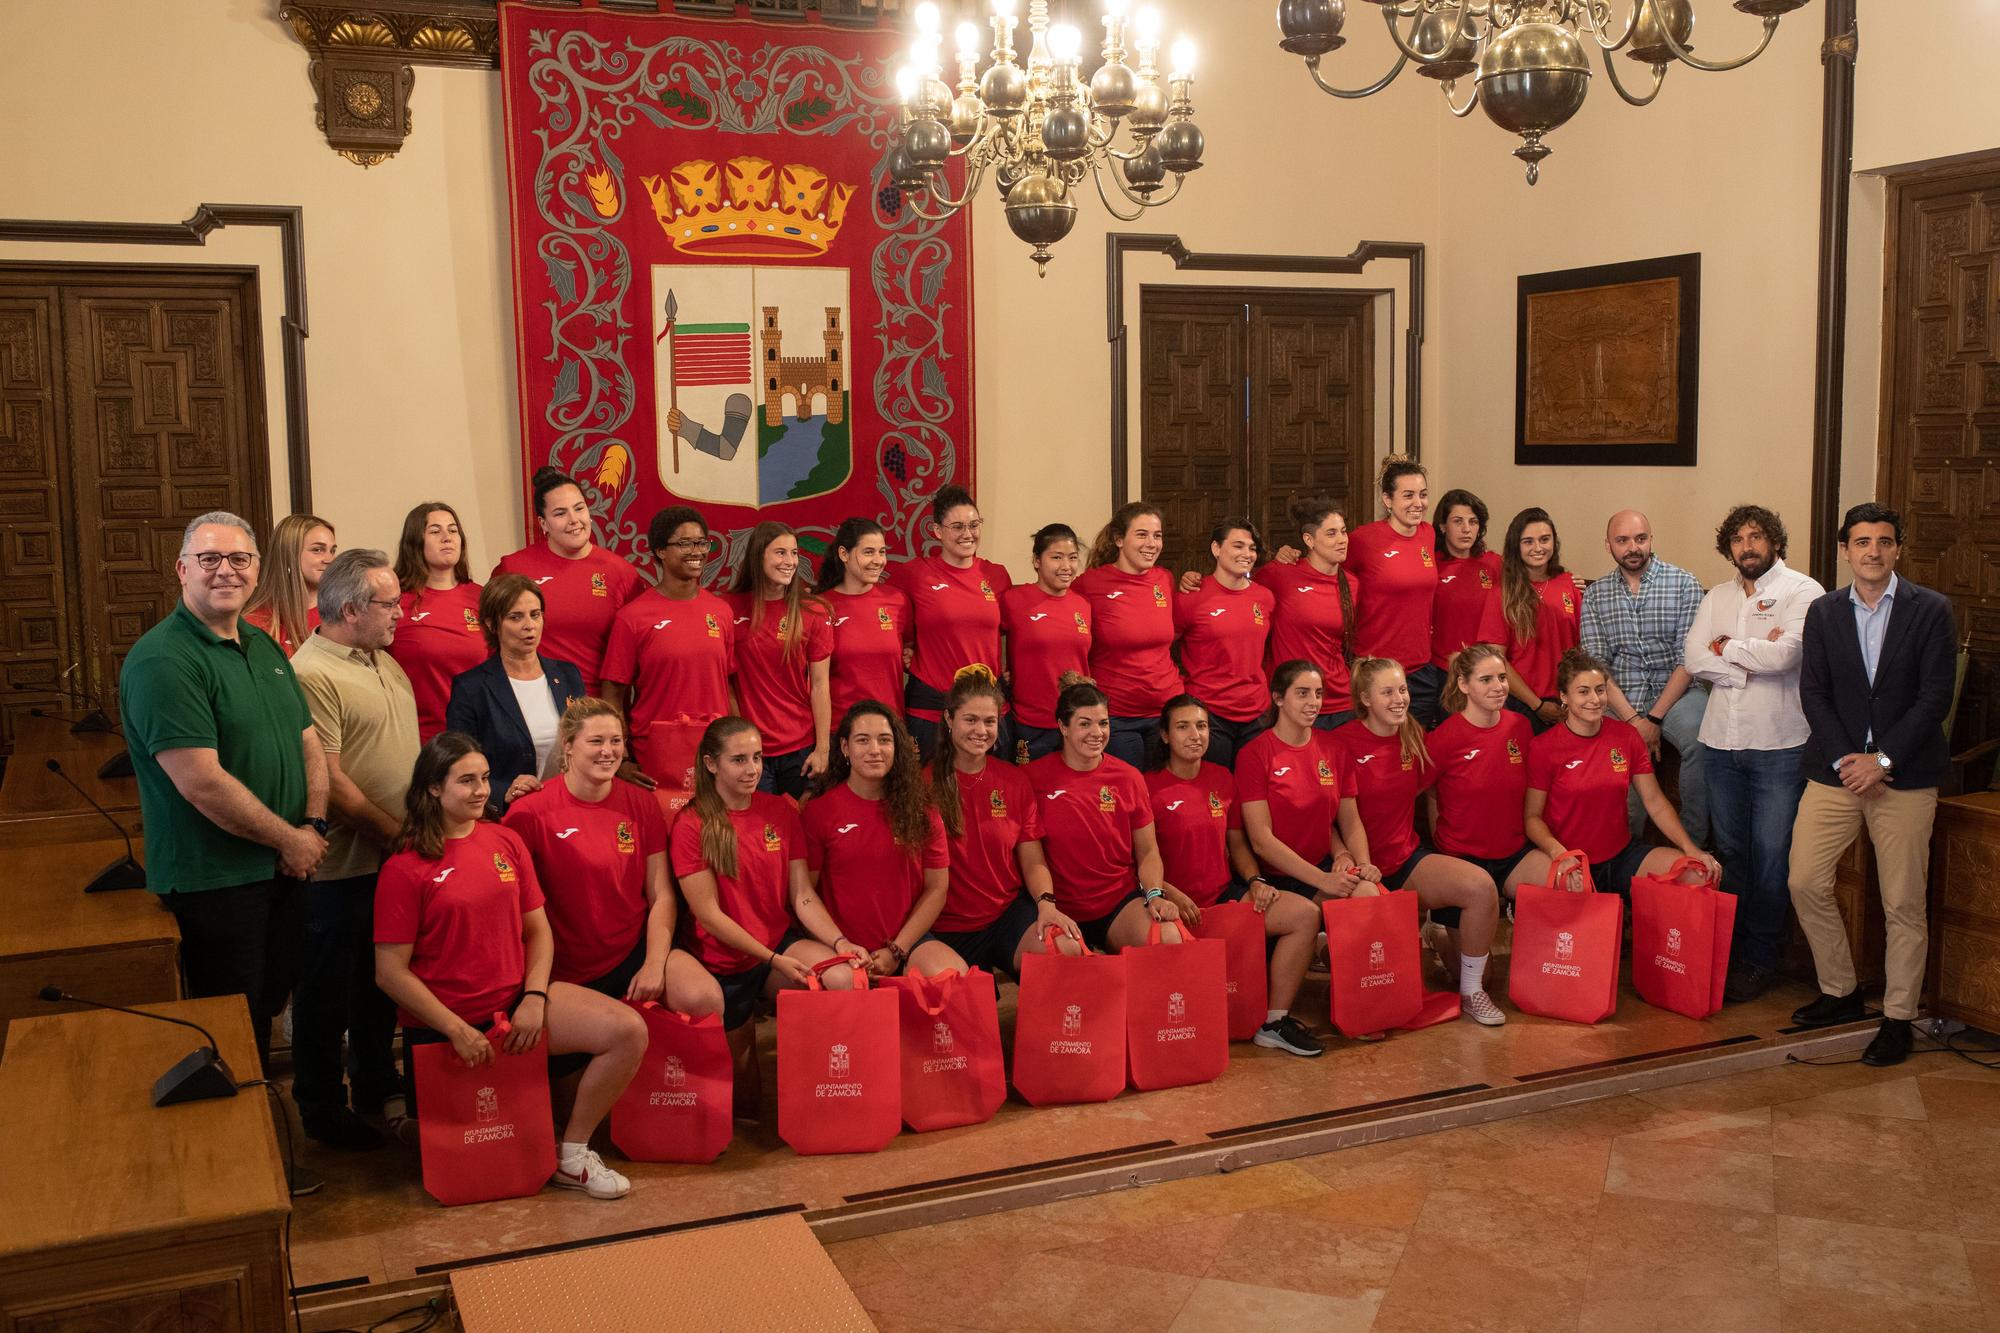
[1153, 893]
[896, 952]
[1658, 722]
[1258, 879]
[541, 994]
[1045, 898]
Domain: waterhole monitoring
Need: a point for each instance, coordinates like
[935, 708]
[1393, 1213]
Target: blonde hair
[579, 711]
[1412, 732]
[718, 835]
[282, 586]
[1463, 663]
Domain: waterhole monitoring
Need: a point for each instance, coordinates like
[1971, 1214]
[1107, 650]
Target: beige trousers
[1899, 828]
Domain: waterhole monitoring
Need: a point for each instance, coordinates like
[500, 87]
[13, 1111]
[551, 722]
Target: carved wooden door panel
[1312, 429]
[1192, 418]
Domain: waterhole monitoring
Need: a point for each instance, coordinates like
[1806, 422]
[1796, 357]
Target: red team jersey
[461, 913]
[1088, 820]
[580, 599]
[1131, 637]
[999, 812]
[1395, 582]
[591, 856]
[868, 883]
[1558, 628]
[1307, 624]
[266, 618]
[1467, 609]
[774, 689]
[955, 615]
[676, 656]
[1586, 778]
[758, 896]
[870, 631]
[1223, 632]
[1482, 781]
[1193, 817]
[1046, 636]
[1301, 784]
[1385, 786]
[437, 638]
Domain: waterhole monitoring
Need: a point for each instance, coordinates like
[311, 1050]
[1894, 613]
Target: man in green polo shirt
[232, 783]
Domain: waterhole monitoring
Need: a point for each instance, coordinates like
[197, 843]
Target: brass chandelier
[1041, 126]
[1528, 59]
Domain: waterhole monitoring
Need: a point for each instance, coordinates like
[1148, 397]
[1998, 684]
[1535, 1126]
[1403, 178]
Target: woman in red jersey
[1314, 609]
[954, 613]
[1223, 627]
[439, 635]
[583, 585]
[1481, 753]
[1204, 853]
[784, 643]
[1048, 636]
[1097, 828]
[461, 934]
[599, 848]
[285, 603]
[671, 653]
[876, 849]
[1468, 608]
[999, 899]
[1288, 780]
[871, 620]
[1132, 626]
[1393, 562]
[1542, 605]
[1386, 766]
[1579, 772]
[740, 857]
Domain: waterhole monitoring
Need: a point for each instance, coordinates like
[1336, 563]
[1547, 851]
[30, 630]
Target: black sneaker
[1747, 981]
[1288, 1034]
[1891, 1045]
[1828, 1010]
[338, 1127]
[303, 1180]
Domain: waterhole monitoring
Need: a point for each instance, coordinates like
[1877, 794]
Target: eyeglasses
[963, 529]
[688, 544]
[389, 605]
[210, 561]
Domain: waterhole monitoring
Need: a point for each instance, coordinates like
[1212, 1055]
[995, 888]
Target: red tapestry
[719, 296]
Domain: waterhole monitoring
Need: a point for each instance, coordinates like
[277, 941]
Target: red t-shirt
[1385, 786]
[866, 880]
[266, 618]
[1586, 778]
[1131, 637]
[775, 692]
[1395, 582]
[1558, 628]
[1046, 636]
[758, 896]
[1307, 624]
[675, 655]
[592, 857]
[955, 619]
[999, 812]
[437, 638]
[1193, 817]
[1482, 780]
[870, 630]
[1088, 820]
[461, 913]
[1301, 784]
[1223, 633]
[580, 599]
[1467, 609]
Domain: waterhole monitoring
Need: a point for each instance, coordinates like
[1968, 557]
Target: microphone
[198, 1077]
[125, 872]
[118, 765]
[79, 724]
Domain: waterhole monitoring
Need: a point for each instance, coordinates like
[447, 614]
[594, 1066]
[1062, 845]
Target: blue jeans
[1128, 738]
[1753, 797]
[1683, 732]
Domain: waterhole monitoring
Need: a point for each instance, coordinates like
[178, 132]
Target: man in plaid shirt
[1635, 621]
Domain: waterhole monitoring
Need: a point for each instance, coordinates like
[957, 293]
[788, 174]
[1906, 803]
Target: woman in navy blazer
[487, 701]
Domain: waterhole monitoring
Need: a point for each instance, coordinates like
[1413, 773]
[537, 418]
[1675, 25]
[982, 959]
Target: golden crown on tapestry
[747, 207]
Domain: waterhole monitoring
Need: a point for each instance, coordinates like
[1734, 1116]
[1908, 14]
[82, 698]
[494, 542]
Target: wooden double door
[131, 401]
[1254, 399]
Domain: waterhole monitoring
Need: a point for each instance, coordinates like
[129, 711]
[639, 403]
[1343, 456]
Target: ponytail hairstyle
[1158, 750]
[1412, 731]
[1463, 663]
[1050, 533]
[547, 480]
[581, 710]
[1453, 499]
[1285, 675]
[833, 565]
[1307, 516]
[423, 813]
[281, 584]
[1104, 551]
[413, 572]
[718, 835]
[750, 581]
[1576, 662]
[1396, 467]
[1078, 692]
[904, 797]
[948, 499]
[1517, 591]
[973, 682]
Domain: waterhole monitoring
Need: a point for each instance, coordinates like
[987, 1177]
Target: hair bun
[1069, 678]
[975, 671]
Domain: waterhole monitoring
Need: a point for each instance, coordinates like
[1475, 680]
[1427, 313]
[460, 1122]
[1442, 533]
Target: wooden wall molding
[289, 221]
[1836, 186]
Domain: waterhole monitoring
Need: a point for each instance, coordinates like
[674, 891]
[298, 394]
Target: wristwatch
[318, 825]
[1884, 761]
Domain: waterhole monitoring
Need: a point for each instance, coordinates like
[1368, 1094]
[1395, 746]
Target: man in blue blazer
[1875, 682]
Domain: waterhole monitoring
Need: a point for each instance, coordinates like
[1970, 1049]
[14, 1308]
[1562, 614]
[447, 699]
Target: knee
[706, 999]
[628, 1034]
[838, 978]
[1170, 933]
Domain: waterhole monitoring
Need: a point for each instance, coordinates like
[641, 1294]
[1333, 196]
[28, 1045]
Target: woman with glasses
[954, 614]
[285, 602]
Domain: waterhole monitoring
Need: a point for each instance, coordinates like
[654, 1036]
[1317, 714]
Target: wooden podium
[1965, 910]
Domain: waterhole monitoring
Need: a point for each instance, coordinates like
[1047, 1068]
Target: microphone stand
[123, 873]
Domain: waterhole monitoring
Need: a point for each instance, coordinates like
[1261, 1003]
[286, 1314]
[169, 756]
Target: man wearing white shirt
[1745, 643]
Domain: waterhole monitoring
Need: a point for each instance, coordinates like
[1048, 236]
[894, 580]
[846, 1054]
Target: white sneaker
[1479, 1007]
[595, 1178]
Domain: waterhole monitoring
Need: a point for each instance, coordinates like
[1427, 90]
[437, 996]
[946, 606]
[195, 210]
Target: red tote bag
[1176, 1010]
[1069, 1027]
[1375, 956]
[1565, 958]
[953, 1071]
[1240, 927]
[677, 1108]
[485, 1133]
[665, 752]
[1680, 940]
[840, 1067]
